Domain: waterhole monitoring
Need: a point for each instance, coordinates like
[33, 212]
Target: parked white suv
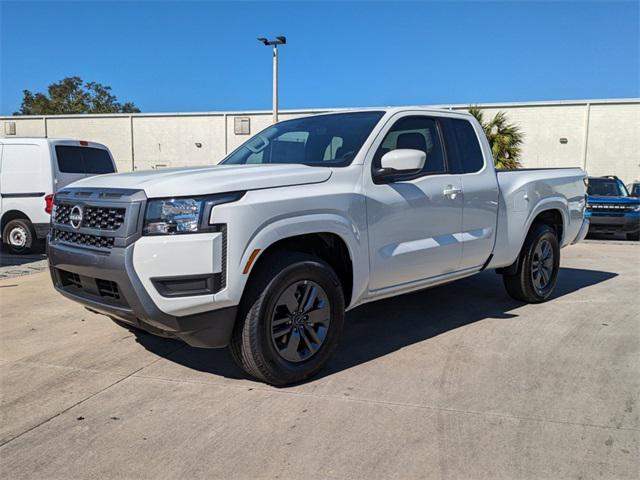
[31, 170]
[308, 219]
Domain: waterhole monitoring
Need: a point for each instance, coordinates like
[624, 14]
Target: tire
[19, 236]
[635, 236]
[534, 279]
[287, 283]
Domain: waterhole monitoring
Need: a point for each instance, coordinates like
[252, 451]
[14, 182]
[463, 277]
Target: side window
[463, 146]
[418, 133]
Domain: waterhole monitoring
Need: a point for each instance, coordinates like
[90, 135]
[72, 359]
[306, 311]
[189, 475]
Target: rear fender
[517, 232]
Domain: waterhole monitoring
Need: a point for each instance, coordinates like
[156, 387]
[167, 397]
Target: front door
[414, 224]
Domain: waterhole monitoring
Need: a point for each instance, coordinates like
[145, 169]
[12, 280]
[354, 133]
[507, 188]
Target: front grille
[609, 208]
[61, 213]
[102, 218]
[82, 239]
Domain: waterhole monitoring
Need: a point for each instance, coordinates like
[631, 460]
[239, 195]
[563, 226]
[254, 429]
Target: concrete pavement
[18, 265]
[455, 382]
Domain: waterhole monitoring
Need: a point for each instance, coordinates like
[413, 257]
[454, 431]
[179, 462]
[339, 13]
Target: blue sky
[201, 56]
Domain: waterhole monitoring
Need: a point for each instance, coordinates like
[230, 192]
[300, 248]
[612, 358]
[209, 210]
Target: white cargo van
[31, 171]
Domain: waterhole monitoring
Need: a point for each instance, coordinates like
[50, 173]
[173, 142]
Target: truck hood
[179, 182]
[613, 200]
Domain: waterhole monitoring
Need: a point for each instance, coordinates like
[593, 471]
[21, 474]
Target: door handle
[451, 192]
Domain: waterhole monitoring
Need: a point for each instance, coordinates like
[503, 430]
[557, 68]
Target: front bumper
[621, 223]
[108, 284]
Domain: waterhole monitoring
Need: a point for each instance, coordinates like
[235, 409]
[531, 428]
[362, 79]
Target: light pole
[278, 41]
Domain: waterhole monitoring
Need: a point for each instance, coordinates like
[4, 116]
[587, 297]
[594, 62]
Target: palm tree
[505, 138]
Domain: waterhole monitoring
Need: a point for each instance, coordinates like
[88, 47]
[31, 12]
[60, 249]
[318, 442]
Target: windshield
[321, 140]
[606, 187]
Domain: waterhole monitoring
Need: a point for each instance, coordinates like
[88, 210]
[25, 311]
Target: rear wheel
[290, 319]
[635, 236]
[538, 266]
[19, 236]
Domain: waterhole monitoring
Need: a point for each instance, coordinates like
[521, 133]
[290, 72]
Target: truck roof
[392, 110]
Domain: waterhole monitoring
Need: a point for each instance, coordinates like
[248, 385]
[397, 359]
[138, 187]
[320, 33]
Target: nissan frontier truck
[265, 252]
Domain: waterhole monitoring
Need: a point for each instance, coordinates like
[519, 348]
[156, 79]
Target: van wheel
[539, 263]
[290, 319]
[19, 236]
[635, 236]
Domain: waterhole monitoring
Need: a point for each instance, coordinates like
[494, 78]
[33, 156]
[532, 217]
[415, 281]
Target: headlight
[636, 208]
[167, 216]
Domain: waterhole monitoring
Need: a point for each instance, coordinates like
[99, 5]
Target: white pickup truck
[309, 218]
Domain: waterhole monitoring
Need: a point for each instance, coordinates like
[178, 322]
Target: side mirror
[400, 163]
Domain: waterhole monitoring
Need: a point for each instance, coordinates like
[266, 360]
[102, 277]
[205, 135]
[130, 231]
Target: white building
[602, 136]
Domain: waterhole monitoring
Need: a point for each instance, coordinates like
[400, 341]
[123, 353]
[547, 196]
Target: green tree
[72, 95]
[505, 138]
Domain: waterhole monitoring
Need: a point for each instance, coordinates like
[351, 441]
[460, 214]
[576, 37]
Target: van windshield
[86, 160]
[322, 140]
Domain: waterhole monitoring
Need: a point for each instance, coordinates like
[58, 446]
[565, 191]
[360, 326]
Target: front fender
[281, 229]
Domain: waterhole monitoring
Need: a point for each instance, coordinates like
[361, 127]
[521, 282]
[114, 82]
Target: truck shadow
[382, 327]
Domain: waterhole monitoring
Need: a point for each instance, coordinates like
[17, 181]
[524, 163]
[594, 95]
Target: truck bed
[526, 192]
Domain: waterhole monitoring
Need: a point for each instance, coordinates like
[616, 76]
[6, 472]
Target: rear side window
[83, 160]
[417, 133]
[463, 146]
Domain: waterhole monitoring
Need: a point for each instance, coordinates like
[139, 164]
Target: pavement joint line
[391, 403]
[65, 410]
[66, 367]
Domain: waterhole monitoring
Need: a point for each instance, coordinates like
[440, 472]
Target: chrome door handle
[451, 192]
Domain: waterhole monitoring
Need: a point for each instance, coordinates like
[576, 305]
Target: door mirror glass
[403, 161]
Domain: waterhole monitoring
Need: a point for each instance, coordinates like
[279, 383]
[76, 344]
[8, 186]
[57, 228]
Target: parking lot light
[280, 40]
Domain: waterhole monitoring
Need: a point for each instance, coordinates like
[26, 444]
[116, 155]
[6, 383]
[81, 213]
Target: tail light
[48, 203]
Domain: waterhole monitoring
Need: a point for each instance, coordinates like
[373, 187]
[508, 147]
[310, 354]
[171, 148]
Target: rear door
[76, 160]
[480, 190]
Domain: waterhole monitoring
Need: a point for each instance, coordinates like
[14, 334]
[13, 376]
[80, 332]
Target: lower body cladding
[108, 283]
[628, 223]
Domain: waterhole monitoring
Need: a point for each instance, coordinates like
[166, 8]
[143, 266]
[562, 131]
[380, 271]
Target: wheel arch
[12, 215]
[328, 246]
[548, 214]
[334, 238]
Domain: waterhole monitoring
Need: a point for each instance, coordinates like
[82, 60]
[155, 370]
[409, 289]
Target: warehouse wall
[614, 141]
[602, 136]
[168, 142]
[543, 127]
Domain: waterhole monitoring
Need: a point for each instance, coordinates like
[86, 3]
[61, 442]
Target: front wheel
[290, 319]
[19, 236]
[635, 236]
[538, 266]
